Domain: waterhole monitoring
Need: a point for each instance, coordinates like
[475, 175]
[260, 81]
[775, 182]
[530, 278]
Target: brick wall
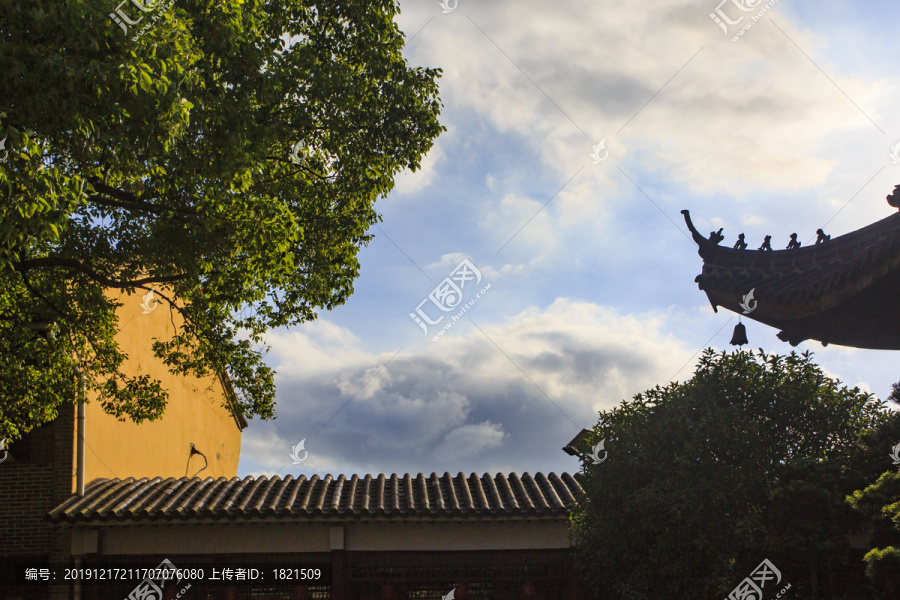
[35, 478]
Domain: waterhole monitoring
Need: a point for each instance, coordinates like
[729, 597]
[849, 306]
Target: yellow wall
[194, 413]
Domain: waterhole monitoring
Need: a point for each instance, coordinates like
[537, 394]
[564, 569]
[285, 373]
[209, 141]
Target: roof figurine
[740, 244]
[838, 291]
[894, 199]
[716, 236]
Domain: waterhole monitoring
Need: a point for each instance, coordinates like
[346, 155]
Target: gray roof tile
[443, 497]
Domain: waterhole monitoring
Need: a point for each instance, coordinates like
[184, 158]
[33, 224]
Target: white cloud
[738, 119]
[514, 270]
[471, 440]
[512, 395]
[407, 182]
[448, 262]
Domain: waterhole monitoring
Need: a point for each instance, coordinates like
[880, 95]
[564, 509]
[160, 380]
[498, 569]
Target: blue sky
[592, 296]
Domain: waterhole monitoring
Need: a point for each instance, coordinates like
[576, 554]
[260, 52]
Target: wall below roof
[303, 536]
[194, 413]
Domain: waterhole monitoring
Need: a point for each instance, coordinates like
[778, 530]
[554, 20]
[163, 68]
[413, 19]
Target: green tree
[159, 158]
[880, 503]
[747, 460]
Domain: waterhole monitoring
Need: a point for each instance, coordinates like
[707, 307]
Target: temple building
[840, 291]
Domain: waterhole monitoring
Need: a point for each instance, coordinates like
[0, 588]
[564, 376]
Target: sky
[575, 273]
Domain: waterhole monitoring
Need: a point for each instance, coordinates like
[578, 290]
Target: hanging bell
[739, 338]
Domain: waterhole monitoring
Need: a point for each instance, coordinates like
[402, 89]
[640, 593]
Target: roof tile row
[380, 496]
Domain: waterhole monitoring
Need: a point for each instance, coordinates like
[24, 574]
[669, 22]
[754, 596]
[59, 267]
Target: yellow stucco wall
[194, 413]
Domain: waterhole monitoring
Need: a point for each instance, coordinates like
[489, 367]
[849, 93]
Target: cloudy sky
[581, 291]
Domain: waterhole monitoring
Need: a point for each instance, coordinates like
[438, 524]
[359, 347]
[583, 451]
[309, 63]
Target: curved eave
[842, 291]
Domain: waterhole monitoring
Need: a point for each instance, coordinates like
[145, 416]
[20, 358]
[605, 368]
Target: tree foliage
[880, 503]
[749, 459]
[159, 158]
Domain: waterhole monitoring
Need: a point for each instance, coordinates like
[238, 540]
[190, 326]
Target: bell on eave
[739, 338]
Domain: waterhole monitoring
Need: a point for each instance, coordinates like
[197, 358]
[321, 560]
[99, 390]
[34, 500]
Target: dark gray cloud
[459, 404]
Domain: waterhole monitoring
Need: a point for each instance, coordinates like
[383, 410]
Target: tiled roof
[368, 497]
[790, 277]
[842, 291]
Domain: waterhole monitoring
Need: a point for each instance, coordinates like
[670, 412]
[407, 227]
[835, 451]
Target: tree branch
[71, 263]
[120, 199]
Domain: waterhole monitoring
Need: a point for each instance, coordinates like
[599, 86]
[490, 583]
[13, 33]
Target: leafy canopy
[880, 502]
[749, 459]
[162, 160]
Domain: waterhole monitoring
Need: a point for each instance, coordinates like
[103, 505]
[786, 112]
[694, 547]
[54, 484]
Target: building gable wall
[194, 414]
